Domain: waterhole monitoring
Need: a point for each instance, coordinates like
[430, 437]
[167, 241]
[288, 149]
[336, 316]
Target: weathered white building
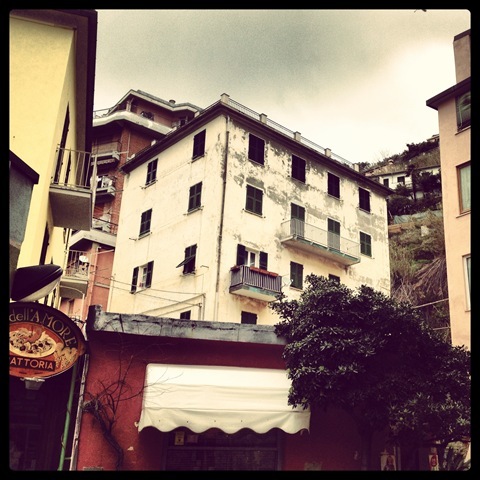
[230, 209]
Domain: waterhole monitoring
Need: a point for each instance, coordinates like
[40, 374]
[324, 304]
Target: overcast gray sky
[354, 81]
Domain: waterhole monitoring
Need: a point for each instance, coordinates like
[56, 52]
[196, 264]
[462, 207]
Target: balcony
[311, 239]
[71, 191]
[74, 281]
[255, 283]
[107, 154]
[105, 190]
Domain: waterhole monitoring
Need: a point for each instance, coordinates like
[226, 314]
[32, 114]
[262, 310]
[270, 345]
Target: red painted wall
[331, 444]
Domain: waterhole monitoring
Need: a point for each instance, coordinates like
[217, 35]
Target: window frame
[461, 106]
[145, 222]
[199, 145]
[195, 197]
[333, 277]
[245, 255]
[333, 234]
[464, 188]
[248, 318]
[253, 200]
[366, 244]
[152, 168]
[467, 268]
[333, 185]
[296, 275]
[186, 315]
[364, 200]
[188, 263]
[256, 149]
[299, 168]
[142, 277]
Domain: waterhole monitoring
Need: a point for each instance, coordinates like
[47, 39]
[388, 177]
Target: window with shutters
[298, 168]
[195, 197]
[151, 172]
[333, 234]
[188, 262]
[297, 223]
[364, 199]
[333, 185]
[145, 222]
[254, 201]
[251, 258]
[198, 145]
[142, 277]
[365, 244]
[296, 275]
[256, 149]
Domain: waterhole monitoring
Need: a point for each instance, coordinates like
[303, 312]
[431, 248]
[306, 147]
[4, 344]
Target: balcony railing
[71, 189]
[255, 283]
[309, 238]
[285, 131]
[74, 281]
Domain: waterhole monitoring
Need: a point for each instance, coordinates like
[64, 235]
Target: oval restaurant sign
[43, 341]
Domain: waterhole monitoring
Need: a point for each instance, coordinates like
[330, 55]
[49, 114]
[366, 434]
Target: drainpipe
[222, 209]
[67, 419]
[76, 433]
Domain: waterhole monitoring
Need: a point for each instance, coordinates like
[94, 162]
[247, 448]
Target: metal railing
[285, 131]
[74, 170]
[244, 275]
[78, 264]
[297, 229]
[261, 117]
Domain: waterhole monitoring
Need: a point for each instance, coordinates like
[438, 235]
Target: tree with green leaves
[376, 359]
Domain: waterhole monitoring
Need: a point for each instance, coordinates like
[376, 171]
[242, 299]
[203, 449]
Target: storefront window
[217, 450]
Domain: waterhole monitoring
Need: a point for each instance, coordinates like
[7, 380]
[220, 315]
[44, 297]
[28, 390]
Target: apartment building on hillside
[393, 174]
[132, 124]
[231, 209]
[454, 118]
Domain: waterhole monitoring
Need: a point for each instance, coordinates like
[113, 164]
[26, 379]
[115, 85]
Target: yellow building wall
[455, 150]
[42, 84]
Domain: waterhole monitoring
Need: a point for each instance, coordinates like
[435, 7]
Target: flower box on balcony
[263, 272]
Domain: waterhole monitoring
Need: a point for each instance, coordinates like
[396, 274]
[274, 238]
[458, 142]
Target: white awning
[200, 397]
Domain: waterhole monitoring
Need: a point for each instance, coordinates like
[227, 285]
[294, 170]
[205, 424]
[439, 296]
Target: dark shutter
[133, 288]
[148, 280]
[240, 254]
[264, 260]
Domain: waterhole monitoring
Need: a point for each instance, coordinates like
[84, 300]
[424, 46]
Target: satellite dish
[83, 258]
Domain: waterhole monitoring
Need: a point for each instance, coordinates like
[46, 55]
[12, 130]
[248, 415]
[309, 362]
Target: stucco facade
[132, 124]
[455, 156]
[221, 222]
[47, 50]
